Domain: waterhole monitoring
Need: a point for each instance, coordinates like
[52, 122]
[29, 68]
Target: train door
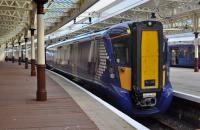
[121, 48]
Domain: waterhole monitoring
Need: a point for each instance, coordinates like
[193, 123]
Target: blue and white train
[127, 63]
[182, 55]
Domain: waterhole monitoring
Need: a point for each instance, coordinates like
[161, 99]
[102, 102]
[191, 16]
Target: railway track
[182, 115]
[155, 123]
[164, 125]
[166, 122]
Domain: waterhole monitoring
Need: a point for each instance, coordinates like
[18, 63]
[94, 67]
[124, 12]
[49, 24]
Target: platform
[186, 83]
[20, 111]
[105, 116]
[67, 107]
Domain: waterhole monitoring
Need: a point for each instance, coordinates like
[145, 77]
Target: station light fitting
[89, 18]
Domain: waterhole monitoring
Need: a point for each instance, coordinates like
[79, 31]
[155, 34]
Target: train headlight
[149, 23]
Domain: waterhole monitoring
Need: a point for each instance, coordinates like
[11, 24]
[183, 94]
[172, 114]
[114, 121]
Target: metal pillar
[41, 80]
[13, 57]
[196, 53]
[26, 53]
[6, 58]
[20, 54]
[33, 72]
[196, 58]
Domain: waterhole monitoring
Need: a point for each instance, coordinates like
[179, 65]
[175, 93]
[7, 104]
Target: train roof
[124, 24]
[93, 34]
[90, 35]
[78, 38]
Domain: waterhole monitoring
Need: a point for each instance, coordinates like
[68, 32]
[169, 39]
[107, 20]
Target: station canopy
[177, 16]
[16, 16]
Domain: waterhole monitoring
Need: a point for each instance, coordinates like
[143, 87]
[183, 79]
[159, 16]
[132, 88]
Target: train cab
[140, 54]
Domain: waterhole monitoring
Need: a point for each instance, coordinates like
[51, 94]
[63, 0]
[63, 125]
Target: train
[127, 63]
[182, 55]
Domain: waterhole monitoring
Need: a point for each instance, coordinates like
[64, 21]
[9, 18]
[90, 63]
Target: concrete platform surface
[104, 118]
[20, 111]
[186, 83]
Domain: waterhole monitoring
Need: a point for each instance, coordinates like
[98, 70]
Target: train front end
[146, 75]
[152, 90]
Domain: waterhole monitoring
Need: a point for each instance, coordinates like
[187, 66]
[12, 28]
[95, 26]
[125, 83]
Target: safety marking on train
[102, 61]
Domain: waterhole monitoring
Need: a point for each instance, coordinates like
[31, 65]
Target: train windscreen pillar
[41, 80]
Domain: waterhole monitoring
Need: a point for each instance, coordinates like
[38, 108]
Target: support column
[26, 54]
[20, 54]
[196, 53]
[6, 58]
[13, 55]
[41, 80]
[33, 72]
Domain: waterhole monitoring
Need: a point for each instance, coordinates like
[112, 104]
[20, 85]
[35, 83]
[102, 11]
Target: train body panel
[105, 59]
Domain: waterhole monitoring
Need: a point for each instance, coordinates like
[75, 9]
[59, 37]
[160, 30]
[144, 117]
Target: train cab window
[121, 53]
[120, 38]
